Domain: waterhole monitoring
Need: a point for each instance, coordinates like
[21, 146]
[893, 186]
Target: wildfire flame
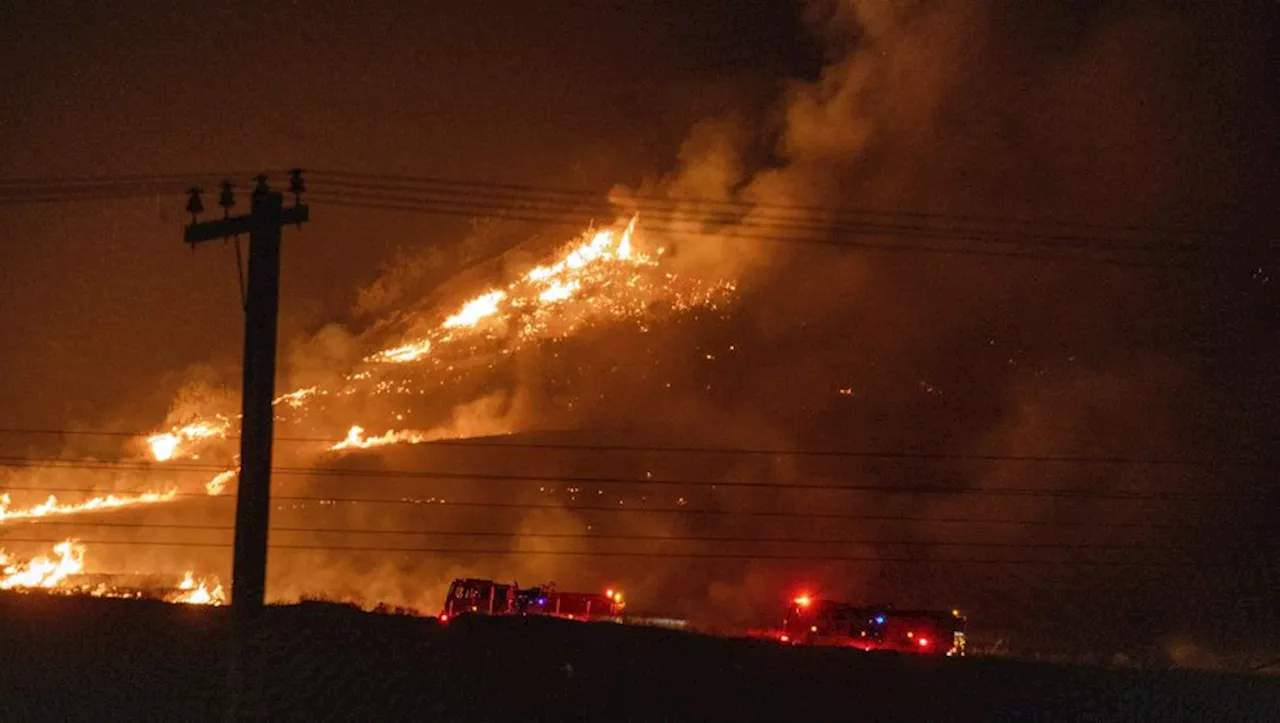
[603, 276]
[168, 445]
[216, 485]
[356, 439]
[473, 311]
[43, 572]
[55, 574]
[52, 506]
[198, 592]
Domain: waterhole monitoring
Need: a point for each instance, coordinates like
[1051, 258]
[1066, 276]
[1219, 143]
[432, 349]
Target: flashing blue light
[542, 601]
[879, 620]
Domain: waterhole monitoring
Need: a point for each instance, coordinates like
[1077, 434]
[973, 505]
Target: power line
[392, 182]
[127, 178]
[24, 191]
[1067, 245]
[658, 555]
[470, 212]
[615, 537]
[620, 510]
[548, 206]
[479, 201]
[503, 443]
[97, 196]
[564, 197]
[423, 475]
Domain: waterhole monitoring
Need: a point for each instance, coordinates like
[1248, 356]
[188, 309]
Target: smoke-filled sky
[1144, 114]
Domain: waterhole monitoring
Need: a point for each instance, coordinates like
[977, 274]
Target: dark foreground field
[84, 659]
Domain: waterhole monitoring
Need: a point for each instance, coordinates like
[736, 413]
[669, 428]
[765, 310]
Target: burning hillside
[607, 277]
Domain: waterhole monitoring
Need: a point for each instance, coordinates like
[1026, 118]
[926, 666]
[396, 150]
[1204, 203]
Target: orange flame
[193, 592]
[168, 445]
[484, 305]
[356, 439]
[52, 506]
[43, 572]
[216, 485]
[602, 275]
[55, 574]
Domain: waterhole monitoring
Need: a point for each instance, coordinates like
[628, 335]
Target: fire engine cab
[487, 597]
[812, 621]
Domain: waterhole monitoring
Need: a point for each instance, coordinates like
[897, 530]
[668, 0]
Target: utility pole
[253, 498]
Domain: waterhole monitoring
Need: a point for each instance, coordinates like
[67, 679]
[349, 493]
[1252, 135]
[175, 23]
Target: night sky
[1148, 115]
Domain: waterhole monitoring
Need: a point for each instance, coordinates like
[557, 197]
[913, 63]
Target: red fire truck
[486, 597]
[811, 621]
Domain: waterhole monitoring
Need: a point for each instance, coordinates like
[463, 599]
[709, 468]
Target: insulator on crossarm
[260, 186]
[195, 206]
[297, 186]
[226, 197]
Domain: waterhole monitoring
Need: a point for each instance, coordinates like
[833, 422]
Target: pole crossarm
[237, 225]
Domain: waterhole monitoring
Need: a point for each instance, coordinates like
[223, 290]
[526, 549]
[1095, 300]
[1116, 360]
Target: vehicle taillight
[924, 642]
[444, 617]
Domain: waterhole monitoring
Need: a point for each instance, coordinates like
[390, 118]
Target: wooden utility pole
[253, 497]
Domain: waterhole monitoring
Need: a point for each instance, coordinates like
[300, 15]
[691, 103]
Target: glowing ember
[52, 506]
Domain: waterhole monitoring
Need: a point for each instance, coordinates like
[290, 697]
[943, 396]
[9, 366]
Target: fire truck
[487, 597]
[811, 621]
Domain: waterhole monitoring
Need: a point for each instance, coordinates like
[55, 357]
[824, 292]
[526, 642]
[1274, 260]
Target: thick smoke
[1082, 114]
[1079, 114]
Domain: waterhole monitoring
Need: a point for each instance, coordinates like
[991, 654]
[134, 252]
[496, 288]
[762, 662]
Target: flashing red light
[924, 642]
[803, 601]
[785, 638]
[609, 593]
[444, 617]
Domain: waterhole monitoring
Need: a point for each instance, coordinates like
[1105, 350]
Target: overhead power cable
[393, 182]
[635, 509]
[510, 443]
[22, 191]
[830, 241]
[421, 185]
[616, 537]
[680, 220]
[750, 557]
[441, 475]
